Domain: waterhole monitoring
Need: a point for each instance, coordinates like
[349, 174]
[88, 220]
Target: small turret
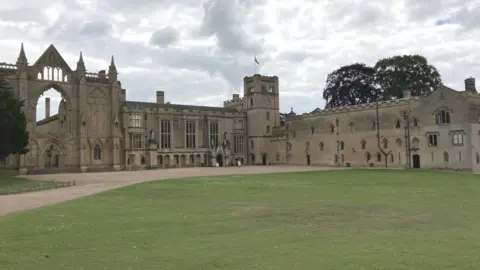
[470, 85]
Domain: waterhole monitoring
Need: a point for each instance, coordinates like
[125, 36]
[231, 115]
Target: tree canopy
[13, 134]
[398, 73]
[350, 85]
[358, 83]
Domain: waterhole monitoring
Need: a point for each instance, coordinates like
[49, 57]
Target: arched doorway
[264, 159]
[252, 159]
[308, 160]
[219, 160]
[416, 161]
[242, 161]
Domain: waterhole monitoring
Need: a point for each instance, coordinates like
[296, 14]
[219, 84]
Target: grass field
[356, 219]
[11, 184]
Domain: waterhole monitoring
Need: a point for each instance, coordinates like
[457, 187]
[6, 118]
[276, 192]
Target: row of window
[457, 139]
[441, 117]
[190, 136]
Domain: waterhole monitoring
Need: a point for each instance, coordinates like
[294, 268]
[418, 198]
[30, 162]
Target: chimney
[470, 85]
[47, 107]
[407, 93]
[160, 97]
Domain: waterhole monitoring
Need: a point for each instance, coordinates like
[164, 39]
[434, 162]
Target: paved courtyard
[92, 183]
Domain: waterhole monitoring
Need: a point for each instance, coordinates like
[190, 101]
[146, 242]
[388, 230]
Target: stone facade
[97, 129]
[438, 131]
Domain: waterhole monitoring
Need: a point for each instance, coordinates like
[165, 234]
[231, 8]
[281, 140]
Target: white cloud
[199, 51]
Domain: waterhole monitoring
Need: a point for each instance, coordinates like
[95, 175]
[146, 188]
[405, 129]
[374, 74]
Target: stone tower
[261, 97]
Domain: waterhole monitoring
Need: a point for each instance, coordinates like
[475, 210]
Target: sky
[198, 51]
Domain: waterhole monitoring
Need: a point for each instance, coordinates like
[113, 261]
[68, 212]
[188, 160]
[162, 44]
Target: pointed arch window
[97, 153]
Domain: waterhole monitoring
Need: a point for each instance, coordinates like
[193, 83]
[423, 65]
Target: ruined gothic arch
[34, 98]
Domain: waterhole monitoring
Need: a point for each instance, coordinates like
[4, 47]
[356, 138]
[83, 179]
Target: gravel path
[92, 183]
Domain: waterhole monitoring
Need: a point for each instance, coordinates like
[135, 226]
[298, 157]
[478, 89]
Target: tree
[350, 85]
[13, 135]
[406, 72]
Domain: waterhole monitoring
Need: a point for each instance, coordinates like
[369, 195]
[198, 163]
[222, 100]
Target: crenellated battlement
[138, 107]
[236, 99]
[8, 66]
[263, 78]
[359, 107]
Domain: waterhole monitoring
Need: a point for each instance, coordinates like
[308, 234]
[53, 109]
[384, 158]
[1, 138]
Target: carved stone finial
[22, 58]
[80, 63]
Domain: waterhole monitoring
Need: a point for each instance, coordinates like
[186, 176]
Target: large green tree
[406, 72]
[13, 134]
[350, 85]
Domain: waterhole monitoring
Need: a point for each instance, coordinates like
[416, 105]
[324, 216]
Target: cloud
[199, 51]
[165, 36]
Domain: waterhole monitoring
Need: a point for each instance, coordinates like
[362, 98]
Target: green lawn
[11, 184]
[355, 219]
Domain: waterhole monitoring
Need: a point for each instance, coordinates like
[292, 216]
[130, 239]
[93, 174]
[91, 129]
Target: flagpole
[254, 64]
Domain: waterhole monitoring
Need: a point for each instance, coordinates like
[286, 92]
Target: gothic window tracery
[51, 73]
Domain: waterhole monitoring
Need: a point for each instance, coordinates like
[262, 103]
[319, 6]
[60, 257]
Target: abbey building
[98, 129]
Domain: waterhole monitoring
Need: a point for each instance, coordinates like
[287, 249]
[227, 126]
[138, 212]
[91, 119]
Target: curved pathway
[92, 183]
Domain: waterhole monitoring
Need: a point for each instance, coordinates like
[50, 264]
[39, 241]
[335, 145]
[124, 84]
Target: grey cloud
[95, 29]
[427, 9]
[67, 29]
[165, 36]
[348, 15]
[468, 18]
[22, 15]
[133, 8]
[223, 20]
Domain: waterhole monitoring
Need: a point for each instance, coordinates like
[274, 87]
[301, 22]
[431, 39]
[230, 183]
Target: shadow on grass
[10, 183]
